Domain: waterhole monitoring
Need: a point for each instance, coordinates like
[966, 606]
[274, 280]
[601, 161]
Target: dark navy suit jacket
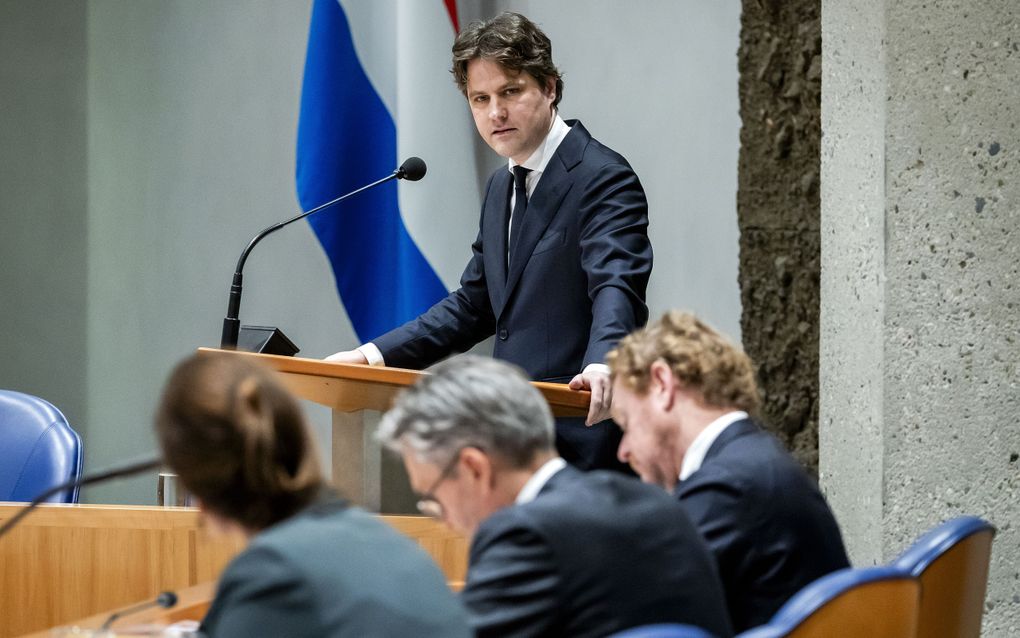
[593, 554]
[575, 284]
[765, 520]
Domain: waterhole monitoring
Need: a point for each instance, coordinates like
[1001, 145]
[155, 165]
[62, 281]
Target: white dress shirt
[539, 479]
[695, 455]
[538, 161]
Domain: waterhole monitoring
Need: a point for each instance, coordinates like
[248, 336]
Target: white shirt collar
[543, 154]
[695, 454]
[539, 479]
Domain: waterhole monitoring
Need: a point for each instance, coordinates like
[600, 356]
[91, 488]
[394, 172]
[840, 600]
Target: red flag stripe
[451, 8]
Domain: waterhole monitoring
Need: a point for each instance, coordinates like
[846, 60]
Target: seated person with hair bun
[314, 565]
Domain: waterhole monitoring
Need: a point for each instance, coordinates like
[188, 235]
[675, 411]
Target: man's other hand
[601, 389]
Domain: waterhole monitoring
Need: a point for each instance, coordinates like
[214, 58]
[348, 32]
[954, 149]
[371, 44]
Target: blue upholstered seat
[38, 449]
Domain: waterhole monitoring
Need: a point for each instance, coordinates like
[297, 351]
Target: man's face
[512, 111]
[460, 494]
[649, 441]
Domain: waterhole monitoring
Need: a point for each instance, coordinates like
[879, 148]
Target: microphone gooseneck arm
[412, 169]
[166, 600]
[135, 467]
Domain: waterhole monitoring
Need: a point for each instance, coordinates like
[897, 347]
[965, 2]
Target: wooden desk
[192, 604]
[67, 562]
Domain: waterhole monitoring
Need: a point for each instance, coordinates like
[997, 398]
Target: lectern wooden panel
[351, 389]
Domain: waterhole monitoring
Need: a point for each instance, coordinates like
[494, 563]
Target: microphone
[413, 169]
[166, 600]
[128, 469]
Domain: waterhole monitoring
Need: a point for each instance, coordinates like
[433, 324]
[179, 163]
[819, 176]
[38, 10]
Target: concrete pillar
[920, 293]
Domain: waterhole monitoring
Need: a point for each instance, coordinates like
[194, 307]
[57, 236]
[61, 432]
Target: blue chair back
[663, 630]
[951, 561]
[38, 449]
[878, 602]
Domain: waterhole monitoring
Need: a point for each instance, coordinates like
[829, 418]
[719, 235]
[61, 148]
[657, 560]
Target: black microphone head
[412, 169]
[166, 599]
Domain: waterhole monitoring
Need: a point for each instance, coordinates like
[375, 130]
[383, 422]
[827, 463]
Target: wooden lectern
[350, 390]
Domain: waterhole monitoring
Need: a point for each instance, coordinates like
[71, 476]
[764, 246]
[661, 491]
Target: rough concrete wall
[953, 291]
[778, 208]
[853, 267]
[921, 284]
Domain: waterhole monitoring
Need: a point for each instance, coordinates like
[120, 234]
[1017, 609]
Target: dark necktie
[520, 206]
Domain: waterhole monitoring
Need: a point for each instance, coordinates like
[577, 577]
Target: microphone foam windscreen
[166, 599]
[413, 169]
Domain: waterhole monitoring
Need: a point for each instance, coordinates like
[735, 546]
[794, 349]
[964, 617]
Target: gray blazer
[332, 571]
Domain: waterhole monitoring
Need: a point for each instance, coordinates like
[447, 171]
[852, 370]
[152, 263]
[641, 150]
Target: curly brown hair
[514, 42]
[238, 440]
[702, 360]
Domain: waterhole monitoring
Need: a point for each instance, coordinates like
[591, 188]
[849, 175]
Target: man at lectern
[560, 266]
[554, 552]
[314, 565]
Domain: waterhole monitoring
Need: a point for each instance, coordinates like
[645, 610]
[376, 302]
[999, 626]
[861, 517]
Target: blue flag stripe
[347, 138]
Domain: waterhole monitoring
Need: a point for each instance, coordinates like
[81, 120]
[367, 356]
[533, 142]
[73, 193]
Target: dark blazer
[333, 571]
[593, 554]
[576, 282]
[765, 520]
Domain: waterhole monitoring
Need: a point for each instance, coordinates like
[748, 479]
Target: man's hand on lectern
[601, 389]
[347, 356]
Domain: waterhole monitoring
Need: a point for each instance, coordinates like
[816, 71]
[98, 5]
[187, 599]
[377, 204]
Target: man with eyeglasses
[554, 551]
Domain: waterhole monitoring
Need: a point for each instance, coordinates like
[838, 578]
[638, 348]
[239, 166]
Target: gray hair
[470, 401]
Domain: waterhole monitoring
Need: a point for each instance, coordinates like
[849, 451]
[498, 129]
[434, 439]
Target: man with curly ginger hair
[559, 270]
[683, 395]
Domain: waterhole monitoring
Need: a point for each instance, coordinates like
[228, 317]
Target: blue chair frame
[38, 449]
[663, 630]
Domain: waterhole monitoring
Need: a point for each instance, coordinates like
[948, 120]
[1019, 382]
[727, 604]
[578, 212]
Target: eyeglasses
[427, 503]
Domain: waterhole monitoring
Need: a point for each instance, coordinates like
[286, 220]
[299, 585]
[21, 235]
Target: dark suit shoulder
[581, 146]
[575, 498]
[752, 461]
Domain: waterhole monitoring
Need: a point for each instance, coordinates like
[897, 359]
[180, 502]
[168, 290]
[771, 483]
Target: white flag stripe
[404, 47]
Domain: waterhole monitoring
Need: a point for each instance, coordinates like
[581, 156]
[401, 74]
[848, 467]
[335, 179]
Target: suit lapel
[497, 216]
[545, 202]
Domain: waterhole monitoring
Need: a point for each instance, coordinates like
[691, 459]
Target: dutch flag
[377, 88]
